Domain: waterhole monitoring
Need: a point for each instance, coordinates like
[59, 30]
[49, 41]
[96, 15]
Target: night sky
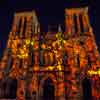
[48, 12]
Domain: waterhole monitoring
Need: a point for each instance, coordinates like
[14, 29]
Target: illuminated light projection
[23, 51]
[59, 61]
[92, 72]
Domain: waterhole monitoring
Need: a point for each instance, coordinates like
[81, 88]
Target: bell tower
[25, 24]
[77, 21]
[22, 43]
[82, 52]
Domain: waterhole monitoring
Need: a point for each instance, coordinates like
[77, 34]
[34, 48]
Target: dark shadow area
[87, 91]
[8, 89]
[75, 23]
[81, 24]
[48, 90]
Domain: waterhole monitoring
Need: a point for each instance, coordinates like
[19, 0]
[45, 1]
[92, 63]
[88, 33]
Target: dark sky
[48, 11]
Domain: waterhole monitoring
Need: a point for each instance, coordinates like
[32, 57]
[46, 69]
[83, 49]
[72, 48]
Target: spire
[59, 28]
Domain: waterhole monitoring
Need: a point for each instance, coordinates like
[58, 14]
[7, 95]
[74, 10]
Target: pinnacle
[59, 28]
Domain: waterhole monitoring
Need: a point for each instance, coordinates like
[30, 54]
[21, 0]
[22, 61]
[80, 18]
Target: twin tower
[76, 21]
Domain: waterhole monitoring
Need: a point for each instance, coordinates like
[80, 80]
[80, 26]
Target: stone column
[85, 24]
[60, 88]
[22, 26]
[69, 23]
[21, 90]
[33, 87]
[36, 58]
[15, 24]
[28, 30]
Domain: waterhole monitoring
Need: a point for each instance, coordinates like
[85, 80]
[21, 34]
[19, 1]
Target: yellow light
[56, 35]
[24, 46]
[91, 72]
[64, 41]
[23, 56]
[27, 42]
[21, 51]
[98, 72]
[59, 66]
[50, 68]
[32, 43]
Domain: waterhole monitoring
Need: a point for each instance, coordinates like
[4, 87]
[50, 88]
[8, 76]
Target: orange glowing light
[43, 46]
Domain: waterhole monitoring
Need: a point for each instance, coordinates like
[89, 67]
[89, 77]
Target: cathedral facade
[52, 65]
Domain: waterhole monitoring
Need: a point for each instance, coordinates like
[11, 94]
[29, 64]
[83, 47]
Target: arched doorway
[11, 89]
[87, 91]
[48, 89]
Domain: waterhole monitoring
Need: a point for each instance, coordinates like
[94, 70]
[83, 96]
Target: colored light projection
[62, 56]
[92, 72]
[23, 52]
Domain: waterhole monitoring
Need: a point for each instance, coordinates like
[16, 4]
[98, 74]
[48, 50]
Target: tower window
[75, 24]
[24, 29]
[19, 25]
[81, 23]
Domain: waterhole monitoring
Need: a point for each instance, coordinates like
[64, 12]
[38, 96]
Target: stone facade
[55, 62]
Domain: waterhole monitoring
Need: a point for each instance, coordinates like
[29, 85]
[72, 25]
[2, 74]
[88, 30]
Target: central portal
[48, 89]
[87, 94]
